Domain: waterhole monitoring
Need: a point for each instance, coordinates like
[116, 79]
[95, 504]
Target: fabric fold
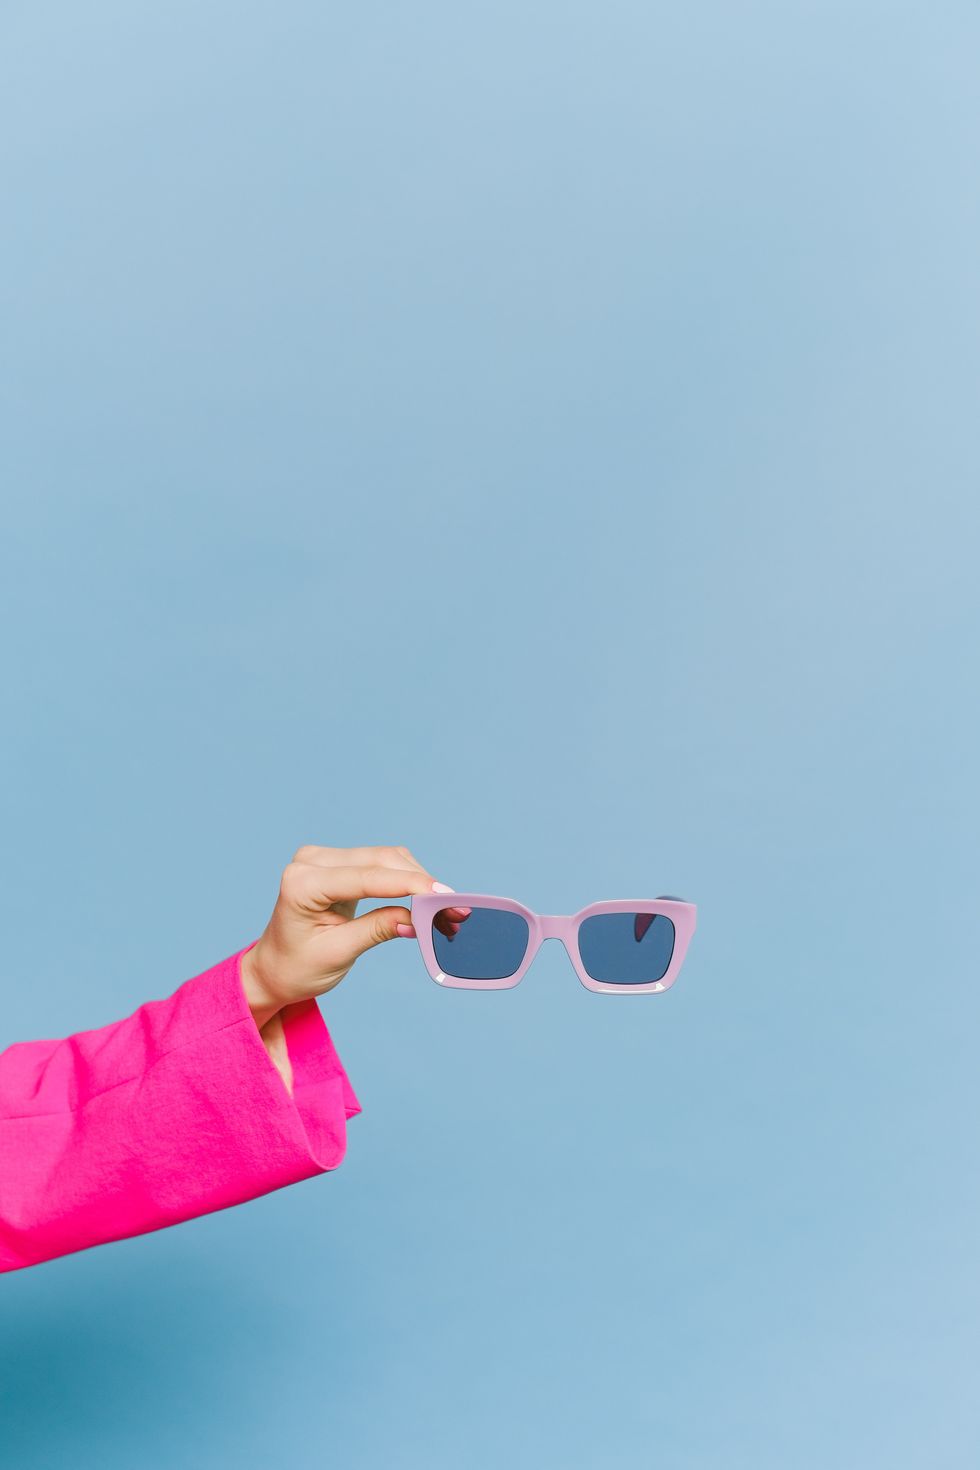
[176, 1111]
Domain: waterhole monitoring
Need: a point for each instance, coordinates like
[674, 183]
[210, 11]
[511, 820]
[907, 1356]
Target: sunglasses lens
[626, 949]
[483, 944]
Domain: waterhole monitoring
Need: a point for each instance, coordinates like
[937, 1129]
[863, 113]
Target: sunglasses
[624, 946]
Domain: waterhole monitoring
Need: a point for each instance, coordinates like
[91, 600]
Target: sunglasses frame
[563, 927]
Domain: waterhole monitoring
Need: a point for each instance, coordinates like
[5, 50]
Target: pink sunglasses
[624, 946]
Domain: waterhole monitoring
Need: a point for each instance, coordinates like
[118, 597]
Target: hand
[313, 938]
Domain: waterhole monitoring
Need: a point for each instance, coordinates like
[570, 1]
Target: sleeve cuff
[323, 1097]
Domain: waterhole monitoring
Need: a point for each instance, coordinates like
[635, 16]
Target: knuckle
[304, 854]
[292, 878]
[382, 927]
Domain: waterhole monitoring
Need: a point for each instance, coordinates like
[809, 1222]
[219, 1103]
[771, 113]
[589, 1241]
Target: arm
[229, 1088]
[175, 1111]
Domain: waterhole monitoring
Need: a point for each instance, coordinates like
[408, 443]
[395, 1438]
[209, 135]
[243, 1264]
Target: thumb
[354, 937]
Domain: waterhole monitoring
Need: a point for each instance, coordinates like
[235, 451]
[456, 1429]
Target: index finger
[316, 887]
[386, 856]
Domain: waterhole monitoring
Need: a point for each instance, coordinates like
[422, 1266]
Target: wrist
[262, 1002]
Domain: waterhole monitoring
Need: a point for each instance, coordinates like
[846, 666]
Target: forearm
[261, 1003]
[274, 1040]
[267, 1015]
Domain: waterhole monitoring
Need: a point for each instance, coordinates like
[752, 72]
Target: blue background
[544, 435]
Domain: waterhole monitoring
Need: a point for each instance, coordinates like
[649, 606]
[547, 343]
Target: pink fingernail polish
[442, 888]
[405, 930]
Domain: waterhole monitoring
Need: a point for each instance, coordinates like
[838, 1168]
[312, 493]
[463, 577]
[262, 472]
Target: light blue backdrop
[545, 435]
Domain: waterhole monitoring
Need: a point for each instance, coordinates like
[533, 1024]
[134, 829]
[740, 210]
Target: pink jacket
[175, 1111]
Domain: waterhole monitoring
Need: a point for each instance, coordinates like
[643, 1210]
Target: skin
[314, 935]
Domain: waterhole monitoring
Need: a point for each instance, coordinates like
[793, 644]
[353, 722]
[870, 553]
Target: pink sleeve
[175, 1111]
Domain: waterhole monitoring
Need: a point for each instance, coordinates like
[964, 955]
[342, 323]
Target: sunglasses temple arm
[642, 922]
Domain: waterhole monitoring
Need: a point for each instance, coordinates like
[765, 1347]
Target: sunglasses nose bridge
[552, 926]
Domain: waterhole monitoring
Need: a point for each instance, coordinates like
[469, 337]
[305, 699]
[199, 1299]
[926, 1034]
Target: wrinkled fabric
[174, 1112]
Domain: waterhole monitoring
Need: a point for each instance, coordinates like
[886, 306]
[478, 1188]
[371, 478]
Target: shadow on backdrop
[85, 1368]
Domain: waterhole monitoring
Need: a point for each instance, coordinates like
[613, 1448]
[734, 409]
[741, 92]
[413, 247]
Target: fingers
[314, 888]
[447, 921]
[359, 857]
[348, 941]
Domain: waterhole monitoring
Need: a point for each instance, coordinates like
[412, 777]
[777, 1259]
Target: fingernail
[442, 888]
[406, 931]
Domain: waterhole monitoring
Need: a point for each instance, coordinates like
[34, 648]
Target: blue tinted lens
[488, 944]
[626, 949]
